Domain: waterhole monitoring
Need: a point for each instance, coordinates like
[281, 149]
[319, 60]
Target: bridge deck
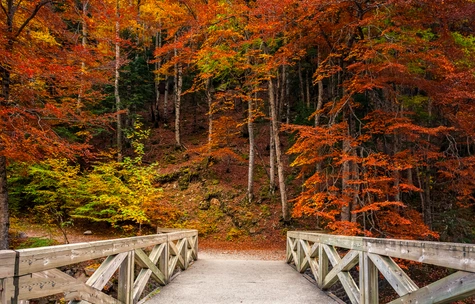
[240, 281]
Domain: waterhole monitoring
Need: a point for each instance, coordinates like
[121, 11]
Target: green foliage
[112, 191]
[35, 242]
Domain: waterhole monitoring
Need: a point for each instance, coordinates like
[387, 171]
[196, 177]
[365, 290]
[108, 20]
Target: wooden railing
[33, 273]
[330, 259]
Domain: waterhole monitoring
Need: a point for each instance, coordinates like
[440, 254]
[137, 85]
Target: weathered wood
[107, 269]
[143, 260]
[376, 254]
[89, 294]
[349, 261]
[457, 286]
[38, 259]
[368, 280]
[32, 273]
[450, 255]
[126, 279]
[7, 263]
[395, 276]
[303, 256]
[322, 265]
[350, 286]
[163, 262]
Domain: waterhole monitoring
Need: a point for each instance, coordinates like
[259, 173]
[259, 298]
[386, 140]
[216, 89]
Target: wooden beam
[107, 269]
[395, 276]
[303, 253]
[126, 279]
[39, 259]
[452, 288]
[323, 263]
[369, 290]
[349, 261]
[7, 263]
[351, 289]
[143, 260]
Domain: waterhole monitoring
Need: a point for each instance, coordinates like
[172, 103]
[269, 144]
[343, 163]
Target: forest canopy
[360, 113]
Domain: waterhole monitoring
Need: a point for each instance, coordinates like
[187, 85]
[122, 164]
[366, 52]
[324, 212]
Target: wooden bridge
[357, 263]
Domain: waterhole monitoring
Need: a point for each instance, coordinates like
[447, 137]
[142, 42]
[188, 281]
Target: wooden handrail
[32, 273]
[318, 251]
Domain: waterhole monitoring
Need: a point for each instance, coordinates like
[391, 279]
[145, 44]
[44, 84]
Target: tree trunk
[250, 126]
[272, 162]
[345, 209]
[116, 84]
[83, 44]
[178, 87]
[278, 154]
[4, 217]
[209, 98]
[155, 107]
[307, 86]
[302, 92]
[165, 99]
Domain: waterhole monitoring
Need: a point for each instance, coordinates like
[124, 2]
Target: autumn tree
[40, 67]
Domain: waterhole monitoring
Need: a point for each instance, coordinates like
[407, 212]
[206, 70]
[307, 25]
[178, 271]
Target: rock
[215, 202]
[87, 232]
[204, 205]
[22, 235]
[89, 271]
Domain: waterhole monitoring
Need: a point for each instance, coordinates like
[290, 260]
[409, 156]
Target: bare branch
[33, 14]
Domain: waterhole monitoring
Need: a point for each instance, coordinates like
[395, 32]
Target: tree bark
[209, 98]
[116, 84]
[83, 44]
[302, 90]
[250, 126]
[165, 100]
[278, 153]
[272, 162]
[4, 215]
[155, 107]
[178, 87]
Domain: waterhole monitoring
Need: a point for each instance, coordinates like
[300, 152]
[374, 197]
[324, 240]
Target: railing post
[369, 292]
[126, 279]
[163, 262]
[322, 265]
[184, 253]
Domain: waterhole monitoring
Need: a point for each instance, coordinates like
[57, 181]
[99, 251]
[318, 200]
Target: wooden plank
[39, 259]
[454, 287]
[395, 276]
[7, 263]
[42, 284]
[163, 262]
[350, 287]
[303, 256]
[89, 294]
[450, 255]
[126, 279]
[107, 269]
[349, 261]
[5, 292]
[175, 250]
[323, 264]
[369, 290]
[143, 260]
[140, 282]
[290, 250]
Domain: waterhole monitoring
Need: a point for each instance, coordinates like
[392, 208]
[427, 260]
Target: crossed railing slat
[317, 252]
[32, 273]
